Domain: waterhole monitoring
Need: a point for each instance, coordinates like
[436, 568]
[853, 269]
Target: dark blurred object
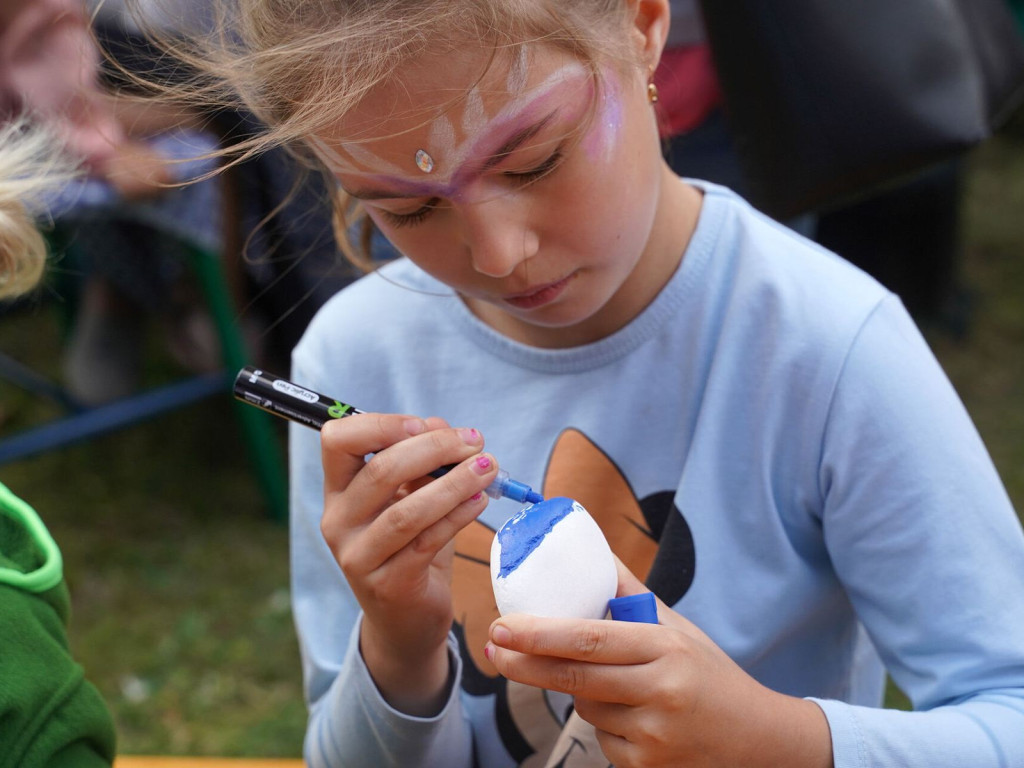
[1017, 6]
[828, 99]
[909, 238]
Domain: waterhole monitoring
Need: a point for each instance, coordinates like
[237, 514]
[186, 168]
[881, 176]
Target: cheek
[427, 246]
[403, 238]
[612, 169]
[596, 202]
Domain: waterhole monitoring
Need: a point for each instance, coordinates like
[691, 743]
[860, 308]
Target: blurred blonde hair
[301, 65]
[31, 166]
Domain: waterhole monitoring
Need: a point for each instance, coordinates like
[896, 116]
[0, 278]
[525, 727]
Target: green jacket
[50, 715]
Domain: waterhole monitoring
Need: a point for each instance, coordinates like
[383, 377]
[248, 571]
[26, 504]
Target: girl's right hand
[391, 529]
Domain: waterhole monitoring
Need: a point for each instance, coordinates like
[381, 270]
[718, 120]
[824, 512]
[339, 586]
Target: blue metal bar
[107, 418]
[24, 377]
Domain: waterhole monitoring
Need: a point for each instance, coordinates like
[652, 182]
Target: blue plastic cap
[642, 608]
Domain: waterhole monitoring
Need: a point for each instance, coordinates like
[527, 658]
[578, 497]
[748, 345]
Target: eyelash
[539, 172]
[409, 219]
[523, 178]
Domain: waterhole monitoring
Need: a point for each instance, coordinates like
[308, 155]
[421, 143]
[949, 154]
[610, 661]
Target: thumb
[629, 584]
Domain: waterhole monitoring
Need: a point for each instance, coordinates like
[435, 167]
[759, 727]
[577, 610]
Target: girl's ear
[651, 20]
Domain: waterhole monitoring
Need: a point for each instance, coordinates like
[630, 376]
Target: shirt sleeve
[350, 724]
[930, 551]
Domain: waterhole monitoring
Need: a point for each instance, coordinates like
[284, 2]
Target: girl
[758, 427]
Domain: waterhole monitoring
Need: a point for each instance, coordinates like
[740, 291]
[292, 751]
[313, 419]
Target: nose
[498, 234]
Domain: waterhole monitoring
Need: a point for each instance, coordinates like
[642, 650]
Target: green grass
[179, 577]
[987, 368]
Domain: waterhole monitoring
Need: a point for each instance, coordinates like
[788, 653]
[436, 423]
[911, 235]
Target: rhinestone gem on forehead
[424, 161]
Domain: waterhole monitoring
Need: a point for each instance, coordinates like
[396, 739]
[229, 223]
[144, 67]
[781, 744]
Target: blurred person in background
[49, 70]
[50, 714]
[286, 261]
[908, 236]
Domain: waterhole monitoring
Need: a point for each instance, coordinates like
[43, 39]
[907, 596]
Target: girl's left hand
[660, 695]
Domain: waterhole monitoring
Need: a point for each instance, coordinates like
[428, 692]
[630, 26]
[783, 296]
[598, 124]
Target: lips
[539, 295]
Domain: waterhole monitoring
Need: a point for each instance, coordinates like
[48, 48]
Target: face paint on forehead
[518, 72]
[452, 158]
[357, 155]
[600, 140]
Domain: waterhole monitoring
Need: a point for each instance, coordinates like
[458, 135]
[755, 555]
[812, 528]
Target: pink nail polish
[470, 436]
[482, 463]
[489, 652]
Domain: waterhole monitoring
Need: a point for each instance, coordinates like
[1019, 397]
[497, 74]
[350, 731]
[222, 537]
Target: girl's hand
[660, 695]
[391, 529]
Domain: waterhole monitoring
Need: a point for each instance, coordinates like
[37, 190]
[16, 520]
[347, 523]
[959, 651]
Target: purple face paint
[562, 98]
[607, 123]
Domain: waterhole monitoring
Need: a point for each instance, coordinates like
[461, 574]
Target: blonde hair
[300, 65]
[32, 165]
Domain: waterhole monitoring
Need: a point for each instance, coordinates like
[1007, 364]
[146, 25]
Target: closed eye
[409, 219]
[517, 177]
[525, 177]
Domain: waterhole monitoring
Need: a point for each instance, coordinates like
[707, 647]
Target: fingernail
[477, 496]
[414, 426]
[489, 652]
[469, 436]
[482, 464]
[500, 634]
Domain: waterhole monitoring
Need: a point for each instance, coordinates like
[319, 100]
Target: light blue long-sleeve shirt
[826, 509]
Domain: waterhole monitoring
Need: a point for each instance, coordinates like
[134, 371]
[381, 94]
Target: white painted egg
[551, 559]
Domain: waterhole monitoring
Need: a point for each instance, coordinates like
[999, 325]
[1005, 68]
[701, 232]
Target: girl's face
[536, 194]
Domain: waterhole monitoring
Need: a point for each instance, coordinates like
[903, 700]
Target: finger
[467, 481]
[600, 682]
[425, 546]
[407, 449]
[424, 522]
[629, 584]
[612, 717]
[616, 748]
[345, 443]
[419, 456]
[592, 640]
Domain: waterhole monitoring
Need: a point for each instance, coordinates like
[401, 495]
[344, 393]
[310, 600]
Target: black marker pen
[304, 406]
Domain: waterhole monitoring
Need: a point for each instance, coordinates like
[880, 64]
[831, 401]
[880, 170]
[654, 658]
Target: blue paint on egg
[523, 533]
